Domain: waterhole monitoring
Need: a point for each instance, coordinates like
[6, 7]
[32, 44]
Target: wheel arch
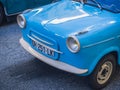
[112, 50]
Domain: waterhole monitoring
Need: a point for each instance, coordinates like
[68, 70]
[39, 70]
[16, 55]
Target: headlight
[73, 44]
[21, 21]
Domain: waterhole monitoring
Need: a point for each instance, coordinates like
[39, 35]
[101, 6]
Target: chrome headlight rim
[76, 40]
[21, 21]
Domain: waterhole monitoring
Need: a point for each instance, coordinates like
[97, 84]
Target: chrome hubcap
[105, 72]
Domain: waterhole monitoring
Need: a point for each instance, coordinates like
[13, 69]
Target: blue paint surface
[16, 6]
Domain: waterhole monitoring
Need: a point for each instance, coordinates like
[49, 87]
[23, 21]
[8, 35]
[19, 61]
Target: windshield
[111, 5]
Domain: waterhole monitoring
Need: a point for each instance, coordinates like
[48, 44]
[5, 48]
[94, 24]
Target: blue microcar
[77, 36]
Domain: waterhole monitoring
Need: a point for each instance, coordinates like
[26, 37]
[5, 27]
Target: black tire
[2, 15]
[103, 72]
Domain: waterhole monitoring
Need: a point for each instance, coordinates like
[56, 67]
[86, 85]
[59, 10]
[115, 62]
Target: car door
[37, 3]
[15, 6]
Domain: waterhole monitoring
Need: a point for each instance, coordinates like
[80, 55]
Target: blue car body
[97, 31]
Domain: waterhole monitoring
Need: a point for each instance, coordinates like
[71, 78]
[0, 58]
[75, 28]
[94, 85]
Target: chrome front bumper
[55, 63]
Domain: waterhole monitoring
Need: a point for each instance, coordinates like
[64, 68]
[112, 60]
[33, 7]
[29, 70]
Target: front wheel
[103, 72]
[2, 15]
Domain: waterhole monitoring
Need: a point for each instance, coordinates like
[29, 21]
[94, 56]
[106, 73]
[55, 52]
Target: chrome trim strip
[5, 11]
[90, 45]
[81, 32]
[14, 14]
[42, 40]
[45, 45]
[55, 63]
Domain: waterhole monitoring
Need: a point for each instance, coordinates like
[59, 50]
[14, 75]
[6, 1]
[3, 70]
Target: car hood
[70, 17]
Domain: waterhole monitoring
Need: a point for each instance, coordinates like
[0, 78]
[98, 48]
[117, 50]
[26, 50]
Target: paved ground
[21, 71]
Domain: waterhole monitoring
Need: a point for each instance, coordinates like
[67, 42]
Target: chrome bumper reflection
[55, 63]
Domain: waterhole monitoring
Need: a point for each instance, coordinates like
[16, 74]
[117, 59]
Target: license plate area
[43, 49]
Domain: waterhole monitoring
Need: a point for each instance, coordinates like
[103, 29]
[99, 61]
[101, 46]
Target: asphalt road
[21, 71]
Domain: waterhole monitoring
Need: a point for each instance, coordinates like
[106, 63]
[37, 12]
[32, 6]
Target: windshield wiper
[98, 4]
